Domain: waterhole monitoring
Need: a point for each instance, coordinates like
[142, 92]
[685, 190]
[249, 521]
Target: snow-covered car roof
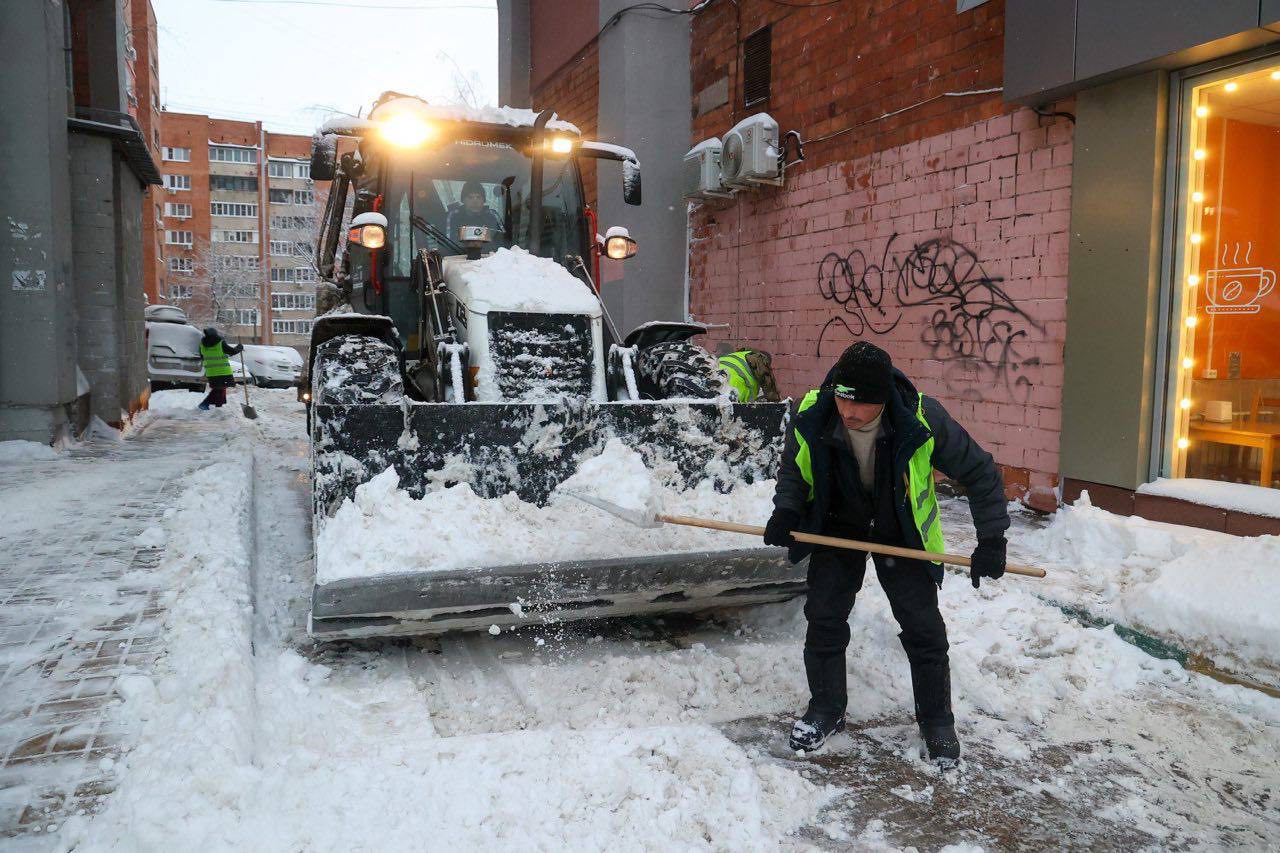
[164, 314]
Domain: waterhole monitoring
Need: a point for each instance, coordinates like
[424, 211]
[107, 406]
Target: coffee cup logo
[1237, 291]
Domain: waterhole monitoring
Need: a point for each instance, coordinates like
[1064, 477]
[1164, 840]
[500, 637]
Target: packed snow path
[644, 734]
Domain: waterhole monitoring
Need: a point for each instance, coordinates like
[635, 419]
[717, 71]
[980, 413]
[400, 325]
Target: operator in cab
[473, 212]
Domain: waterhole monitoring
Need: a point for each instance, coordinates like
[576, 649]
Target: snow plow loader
[461, 338]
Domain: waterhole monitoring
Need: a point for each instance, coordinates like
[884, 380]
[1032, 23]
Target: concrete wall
[107, 263]
[37, 303]
[1058, 47]
[644, 104]
[1116, 222]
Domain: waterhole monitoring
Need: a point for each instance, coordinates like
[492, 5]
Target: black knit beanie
[864, 374]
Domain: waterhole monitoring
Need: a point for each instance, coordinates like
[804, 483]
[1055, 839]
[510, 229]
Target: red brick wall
[939, 232]
[574, 93]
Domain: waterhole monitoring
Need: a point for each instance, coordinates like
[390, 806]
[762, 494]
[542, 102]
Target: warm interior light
[1191, 322]
[1183, 444]
[1232, 86]
[1201, 112]
[1185, 402]
[1187, 363]
[1193, 279]
[405, 130]
[1196, 238]
[1199, 154]
[1275, 75]
[1197, 196]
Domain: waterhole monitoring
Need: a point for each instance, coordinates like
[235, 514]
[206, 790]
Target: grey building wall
[37, 304]
[513, 53]
[1056, 47]
[1117, 204]
[644, 104]
[107, 263]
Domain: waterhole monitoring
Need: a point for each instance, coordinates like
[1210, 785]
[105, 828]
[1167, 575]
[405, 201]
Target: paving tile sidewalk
[79, 612]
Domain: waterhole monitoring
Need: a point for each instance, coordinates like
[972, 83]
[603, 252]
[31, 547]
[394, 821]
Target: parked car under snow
[173, 349]
[269, 366]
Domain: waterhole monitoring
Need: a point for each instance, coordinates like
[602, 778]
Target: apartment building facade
[238, 211]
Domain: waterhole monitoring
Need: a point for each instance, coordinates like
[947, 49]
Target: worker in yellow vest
[215, 353]
[750, 375]
[858, 464]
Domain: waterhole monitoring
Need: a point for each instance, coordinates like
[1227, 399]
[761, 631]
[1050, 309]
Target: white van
[273, 366]
[173, 349]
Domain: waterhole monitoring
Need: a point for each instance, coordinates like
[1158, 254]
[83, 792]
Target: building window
[235, 236]
[182, 266]
[238, 316]
[178, 238]
[281, 247]
[306, 275]
[280, 196]
[304, 197]
[229, 154]
[178, 155]
[1223, 409]
[281, 223]
[236, 263]
[302, 250]
[233, 184]
[230, 208]
[757, 62]
[291, 327]
[302, 170]
[178, 210]
[177, 182]
[284, 274]
[179, 291]
[293, 301]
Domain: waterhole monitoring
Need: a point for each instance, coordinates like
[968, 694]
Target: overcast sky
[291, 63]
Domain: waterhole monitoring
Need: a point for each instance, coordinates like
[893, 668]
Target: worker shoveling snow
[453, 528]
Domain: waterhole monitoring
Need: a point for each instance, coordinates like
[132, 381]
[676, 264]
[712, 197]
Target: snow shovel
[249, 411]
[656, 519]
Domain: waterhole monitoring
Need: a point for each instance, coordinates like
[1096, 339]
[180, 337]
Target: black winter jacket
[955, 454]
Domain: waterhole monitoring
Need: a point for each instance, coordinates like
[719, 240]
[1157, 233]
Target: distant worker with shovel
[216, 352]
[858, 464]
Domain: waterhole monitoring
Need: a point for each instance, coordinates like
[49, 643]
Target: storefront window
[1224, 406]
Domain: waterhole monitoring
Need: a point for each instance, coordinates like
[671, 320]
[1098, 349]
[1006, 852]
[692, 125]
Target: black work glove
[987, 560]
[778, 530]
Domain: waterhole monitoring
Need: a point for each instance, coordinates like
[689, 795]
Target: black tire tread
[679, 369]
[356, 369]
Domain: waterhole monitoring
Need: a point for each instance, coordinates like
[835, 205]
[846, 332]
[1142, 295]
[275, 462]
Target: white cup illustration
[1238, 290]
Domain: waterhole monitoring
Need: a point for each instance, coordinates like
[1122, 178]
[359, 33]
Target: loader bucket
[529, 449]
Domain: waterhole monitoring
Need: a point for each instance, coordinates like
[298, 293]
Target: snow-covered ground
[651, 733]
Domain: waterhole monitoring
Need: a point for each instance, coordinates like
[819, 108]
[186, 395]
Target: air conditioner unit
[702, 171]
[750, 153]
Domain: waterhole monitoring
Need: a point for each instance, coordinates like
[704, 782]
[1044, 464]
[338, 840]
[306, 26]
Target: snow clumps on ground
[16, 452]
[1212, 592]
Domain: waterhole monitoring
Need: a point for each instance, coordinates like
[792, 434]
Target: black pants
[835, 576]
[217, 396]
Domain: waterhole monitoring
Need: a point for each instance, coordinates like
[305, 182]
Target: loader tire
[356, 369]
[678, 369]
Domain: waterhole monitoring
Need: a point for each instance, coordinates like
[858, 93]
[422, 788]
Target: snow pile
[14, 452]
[457, 529]
[1211, 592]
[515, 280]
[1233, 496]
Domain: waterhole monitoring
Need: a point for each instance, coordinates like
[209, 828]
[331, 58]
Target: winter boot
[828, 697]
[204, 407]
[942, 744]
[931, 684]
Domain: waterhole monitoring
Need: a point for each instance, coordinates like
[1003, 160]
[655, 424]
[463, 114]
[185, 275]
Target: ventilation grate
[757, 59]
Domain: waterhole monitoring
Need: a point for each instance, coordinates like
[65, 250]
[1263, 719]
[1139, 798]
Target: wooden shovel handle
[850, 544]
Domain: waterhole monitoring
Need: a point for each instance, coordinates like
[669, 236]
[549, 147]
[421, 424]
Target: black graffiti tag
[976, 330]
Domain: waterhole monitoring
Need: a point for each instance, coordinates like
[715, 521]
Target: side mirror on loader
[324, 157]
